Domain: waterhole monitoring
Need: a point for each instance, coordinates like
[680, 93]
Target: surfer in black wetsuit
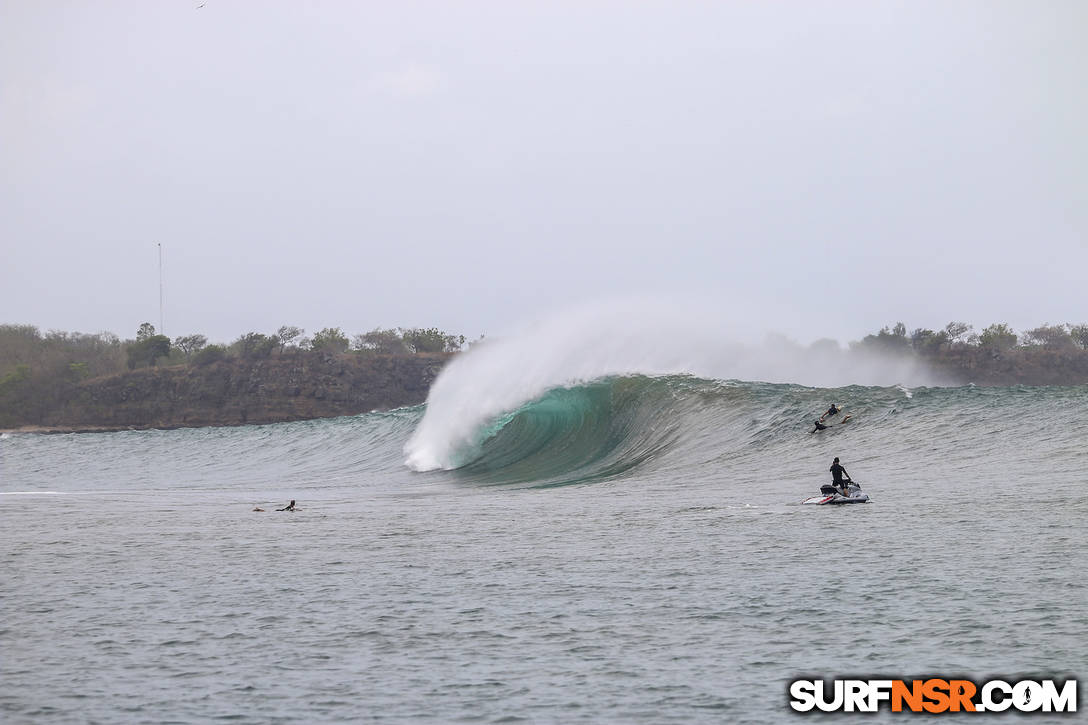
[291, 506]
[819, 426]
[837, 473]
[833, 410]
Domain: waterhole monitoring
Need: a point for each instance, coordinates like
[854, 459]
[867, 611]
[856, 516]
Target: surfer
[819, 426]
[291, 506]
[833, 410]
[837, 473]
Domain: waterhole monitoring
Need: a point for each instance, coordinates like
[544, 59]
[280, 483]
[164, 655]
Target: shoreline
[60, 429]
[227, 393]
[63, 430]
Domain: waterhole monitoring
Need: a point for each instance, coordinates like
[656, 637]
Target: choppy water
[626, 550]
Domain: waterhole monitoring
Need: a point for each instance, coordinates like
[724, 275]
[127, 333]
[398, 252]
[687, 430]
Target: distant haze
[816, 169]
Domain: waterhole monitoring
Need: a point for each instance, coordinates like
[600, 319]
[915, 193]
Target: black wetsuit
[819, 426]
[836, 473]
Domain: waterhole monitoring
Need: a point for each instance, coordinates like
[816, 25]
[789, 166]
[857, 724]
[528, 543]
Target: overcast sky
[821, 169]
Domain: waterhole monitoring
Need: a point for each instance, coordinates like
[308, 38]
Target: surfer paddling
[291, 506]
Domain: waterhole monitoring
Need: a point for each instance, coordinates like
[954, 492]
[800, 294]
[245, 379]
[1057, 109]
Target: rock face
[237, 392]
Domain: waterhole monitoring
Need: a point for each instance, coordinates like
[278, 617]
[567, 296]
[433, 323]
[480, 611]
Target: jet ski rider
[837, 473]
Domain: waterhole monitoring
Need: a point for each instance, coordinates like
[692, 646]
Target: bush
[210, 354]
[432, 340]
[331, 339]
[1052, 337]
[998, 337]
[190, 344]
[388, 342]
[148, 351]
[255, 345]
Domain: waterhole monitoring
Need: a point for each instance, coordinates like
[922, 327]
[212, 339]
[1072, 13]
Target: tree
[928, 342]
[389, 342]
[331, 339]
[1052, 337]
[210, 354]
[148, 351]
[21, 373]
[888, 339]
[189, 344]
[958, 332]
[998, 337]
[431, 340]
[77, 370]
[286, 334]
[254, 345]
[146, 330]
[16, 395]
[1079, 334]
[19, 344]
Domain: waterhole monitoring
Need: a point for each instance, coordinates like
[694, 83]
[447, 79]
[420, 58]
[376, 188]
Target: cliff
[1025, 366]
[237, 392]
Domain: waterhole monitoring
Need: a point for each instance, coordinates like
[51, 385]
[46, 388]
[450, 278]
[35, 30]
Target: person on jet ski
[833, 410]
[837, 472]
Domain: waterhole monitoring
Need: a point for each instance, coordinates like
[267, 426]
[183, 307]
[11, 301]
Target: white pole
[162, 325]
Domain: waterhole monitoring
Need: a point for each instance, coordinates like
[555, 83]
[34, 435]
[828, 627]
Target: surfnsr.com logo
[933, 695]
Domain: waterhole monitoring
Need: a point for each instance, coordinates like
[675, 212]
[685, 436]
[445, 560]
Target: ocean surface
[618, 548]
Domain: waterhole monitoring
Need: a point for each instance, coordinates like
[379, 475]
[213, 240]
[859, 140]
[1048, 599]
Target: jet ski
[830, 494]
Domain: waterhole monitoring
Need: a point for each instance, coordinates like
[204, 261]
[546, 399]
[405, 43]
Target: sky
[812, 169]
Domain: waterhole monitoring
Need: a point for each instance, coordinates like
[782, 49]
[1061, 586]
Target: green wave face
[609, 428]
[585, 433]
[682, 426]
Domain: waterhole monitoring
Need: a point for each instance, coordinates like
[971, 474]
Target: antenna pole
[162, 326]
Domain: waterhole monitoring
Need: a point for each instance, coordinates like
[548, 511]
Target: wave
[683, 427]
[572, 435]
[483, 390]
[613, 426]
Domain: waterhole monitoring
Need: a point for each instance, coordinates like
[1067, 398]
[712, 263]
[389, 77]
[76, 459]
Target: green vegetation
[331, 339]
[37, 371]
[147, 351]
[40, 373]
[189, 344]
[58, 376]
[210, 354]
[431, 340]
[1046, 355]
[255, 345]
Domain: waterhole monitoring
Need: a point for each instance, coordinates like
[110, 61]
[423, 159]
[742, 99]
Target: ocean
[558, 543]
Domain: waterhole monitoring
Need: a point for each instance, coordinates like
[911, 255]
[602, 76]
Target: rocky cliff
[236, 392]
